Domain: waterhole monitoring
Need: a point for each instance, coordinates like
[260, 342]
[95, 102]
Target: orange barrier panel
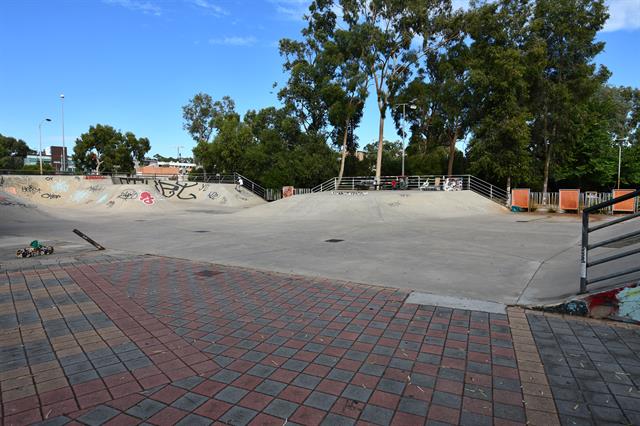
[570, 199]
[520, 198]
[628, 206]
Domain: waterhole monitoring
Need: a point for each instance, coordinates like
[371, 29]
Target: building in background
[53, 159]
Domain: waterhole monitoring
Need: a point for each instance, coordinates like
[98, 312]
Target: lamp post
[404, 120]
[620, 157]
[40, 134]
[63, 159]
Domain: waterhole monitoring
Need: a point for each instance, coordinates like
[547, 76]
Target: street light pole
[40, 134]
[63, 159]
[620, 158]
[404, 121]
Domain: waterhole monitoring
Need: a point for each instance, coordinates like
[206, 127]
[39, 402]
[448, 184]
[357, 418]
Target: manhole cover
[200, 232]
[207, 273]
[333, 240]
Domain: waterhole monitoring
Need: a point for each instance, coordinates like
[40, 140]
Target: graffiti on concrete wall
[60, 186]
[110, 203]
[49, 178]
[51, 196]
[1, 180]
[30, 189]
[96, 188]
[79, 196]
[204, 187]
[213, 195]
[12, 190]
[177, 189]
[147, 198]
[102, 199]
[128, 194]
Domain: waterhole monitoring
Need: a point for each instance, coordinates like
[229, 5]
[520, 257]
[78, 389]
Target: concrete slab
[455, 244]
[418, 298]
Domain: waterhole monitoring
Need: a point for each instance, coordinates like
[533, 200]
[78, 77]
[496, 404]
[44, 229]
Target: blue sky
[133, 63]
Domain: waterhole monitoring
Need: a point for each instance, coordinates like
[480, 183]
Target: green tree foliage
[441, 98]
[563, 77]
[498, 149]
[12, 152]
[105, 149]
[310, 68]
[267, 146]
[201, 113]
[387, 31]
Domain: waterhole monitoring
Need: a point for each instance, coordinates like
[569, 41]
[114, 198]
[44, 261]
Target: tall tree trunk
[452, 151]
[344, 152]
[380, 147]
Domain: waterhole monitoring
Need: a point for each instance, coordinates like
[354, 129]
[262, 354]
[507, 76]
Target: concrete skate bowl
[378, 206]
[98, 193]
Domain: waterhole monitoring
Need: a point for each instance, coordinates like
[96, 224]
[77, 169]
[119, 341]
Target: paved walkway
[163, 341]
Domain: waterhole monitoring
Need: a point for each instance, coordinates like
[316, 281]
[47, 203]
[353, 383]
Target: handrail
[585, 247]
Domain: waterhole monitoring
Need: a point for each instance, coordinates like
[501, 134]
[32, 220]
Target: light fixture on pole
[40, 134]
[63, 157]
[404, 120]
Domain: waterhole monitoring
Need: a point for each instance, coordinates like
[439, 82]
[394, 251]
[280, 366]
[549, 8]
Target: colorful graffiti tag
[147, 198]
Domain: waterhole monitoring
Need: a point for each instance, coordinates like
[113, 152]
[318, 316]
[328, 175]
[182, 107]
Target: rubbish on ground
[34, 249]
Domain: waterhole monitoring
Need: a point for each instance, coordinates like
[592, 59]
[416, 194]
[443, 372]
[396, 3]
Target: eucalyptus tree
[394, 35]
[441, 94]
[310, 70]
[346, 94]
[564, 77]
[103, 148]
[500, 117]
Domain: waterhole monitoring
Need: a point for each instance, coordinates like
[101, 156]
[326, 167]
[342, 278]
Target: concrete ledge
[456, 303]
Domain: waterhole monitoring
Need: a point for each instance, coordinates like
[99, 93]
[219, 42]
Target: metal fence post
[584, 247]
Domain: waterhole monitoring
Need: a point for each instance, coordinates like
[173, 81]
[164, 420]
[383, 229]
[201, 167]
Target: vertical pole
[619, 160]
[584, 252]
[403, 124]
[40, 150]
[63, 160]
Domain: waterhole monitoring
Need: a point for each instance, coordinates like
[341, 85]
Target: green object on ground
[35, 244]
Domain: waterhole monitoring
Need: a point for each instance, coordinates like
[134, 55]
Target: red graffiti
[147, 198]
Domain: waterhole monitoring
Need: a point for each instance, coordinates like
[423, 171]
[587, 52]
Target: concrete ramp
[378, 206]
[99, 193]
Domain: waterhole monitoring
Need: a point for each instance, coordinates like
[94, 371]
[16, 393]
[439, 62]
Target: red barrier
[570, 199]
[628, 206]
[520, 198]
[94, 177]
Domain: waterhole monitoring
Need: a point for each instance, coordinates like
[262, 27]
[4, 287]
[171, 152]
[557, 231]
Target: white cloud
[623, 15]
[234, 41]
[292, 9]
[143, 6]
[214, 9]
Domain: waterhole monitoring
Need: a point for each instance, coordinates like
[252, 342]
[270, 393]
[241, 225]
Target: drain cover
[333, 240]
[200, 232]
[207, 273]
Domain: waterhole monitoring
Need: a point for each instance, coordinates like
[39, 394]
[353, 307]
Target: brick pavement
[165, 341]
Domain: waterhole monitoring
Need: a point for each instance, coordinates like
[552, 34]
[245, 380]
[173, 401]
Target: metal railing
[620, 241]
[422, 182]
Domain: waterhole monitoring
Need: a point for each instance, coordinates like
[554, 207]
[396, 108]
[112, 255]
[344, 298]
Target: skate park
[457, 244]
